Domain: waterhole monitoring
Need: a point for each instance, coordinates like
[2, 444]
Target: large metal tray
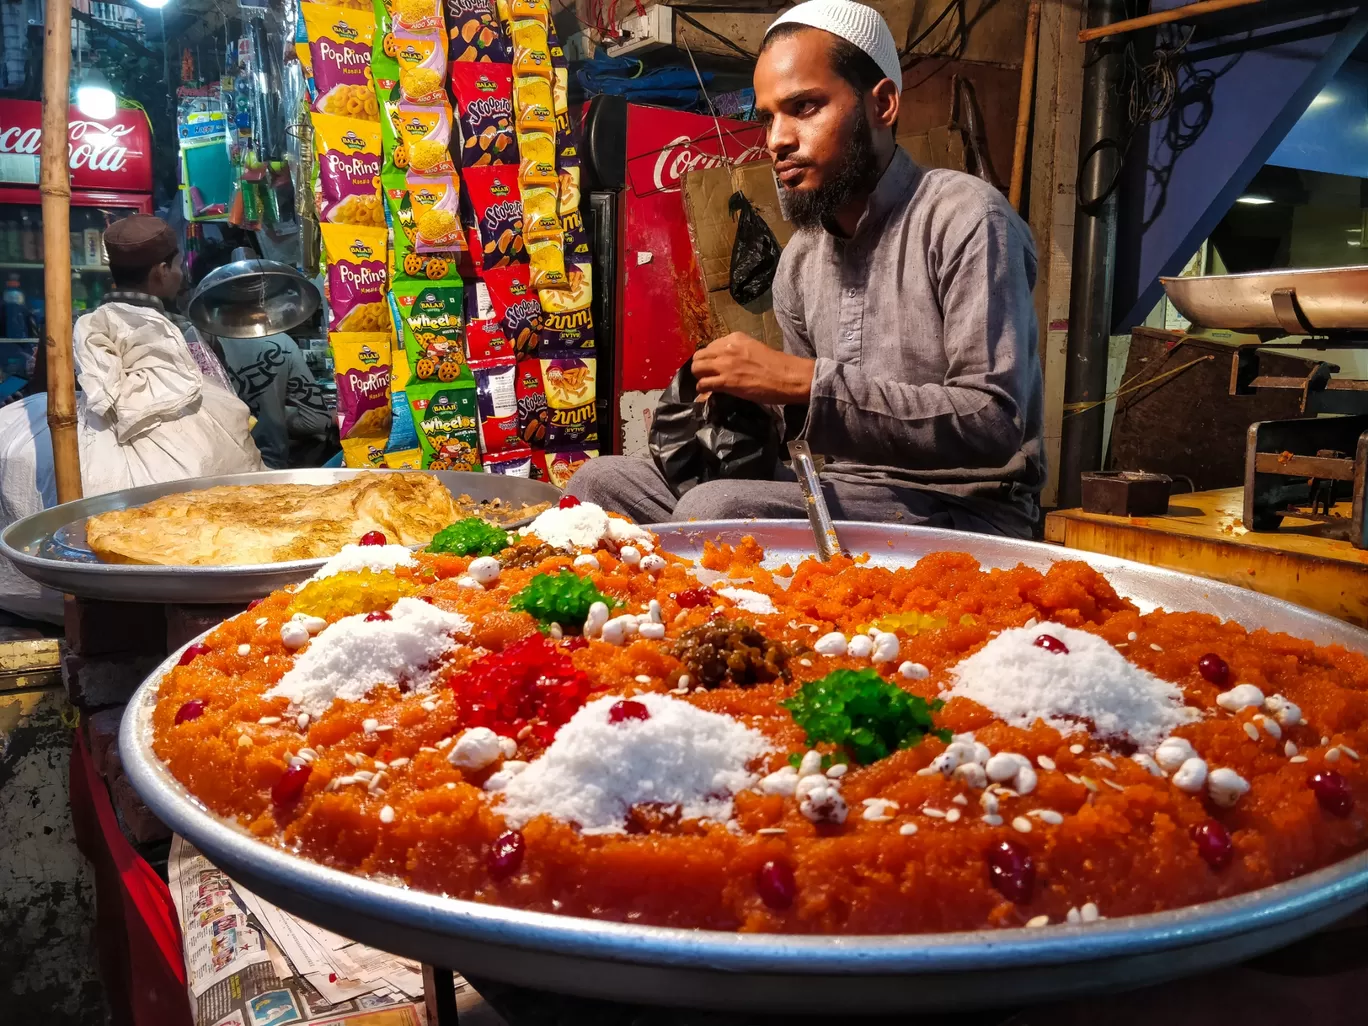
[1330, 299]
[775, 973]
[50, 547]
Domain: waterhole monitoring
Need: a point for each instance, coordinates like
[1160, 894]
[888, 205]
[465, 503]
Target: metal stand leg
[439, 994]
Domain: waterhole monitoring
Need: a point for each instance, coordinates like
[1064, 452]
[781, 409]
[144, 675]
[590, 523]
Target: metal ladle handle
[823, 530]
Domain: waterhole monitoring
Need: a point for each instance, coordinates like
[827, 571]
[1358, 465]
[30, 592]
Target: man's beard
[857, 174]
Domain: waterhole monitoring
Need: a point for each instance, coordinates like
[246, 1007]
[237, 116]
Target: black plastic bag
[755, 253]
[725, 437]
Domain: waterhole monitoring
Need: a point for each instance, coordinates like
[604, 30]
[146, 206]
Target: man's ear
[886, 104]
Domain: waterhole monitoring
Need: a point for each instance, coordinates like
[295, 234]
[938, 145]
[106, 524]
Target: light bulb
[155, 5]
[95, 99]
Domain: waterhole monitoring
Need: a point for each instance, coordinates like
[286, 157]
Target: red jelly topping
[192, 653]
[574, 642]
[1051, 644]
[530, 680]
[377, 616]
[1012, 871]
[191, 710]
[695, 597]
[1213, 843]
[568, 502]
[506, 855]
[1333, 793]
[373, 538]
[627, 710]
[776, 885]
[254, 603]
[1214, 669]
[290, 786]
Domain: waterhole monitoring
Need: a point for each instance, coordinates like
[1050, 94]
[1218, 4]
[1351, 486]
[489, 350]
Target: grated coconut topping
[379, 558]
[353, 655]
[595, 771]
[1022, 683]
[584, 527]
[751, 601]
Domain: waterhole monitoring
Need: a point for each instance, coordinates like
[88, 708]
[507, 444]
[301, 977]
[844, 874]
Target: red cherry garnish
[695, 597]
[627, 710]
[290, 786]
[192, 653]
[1213, 843]
[191, 710]
[377, 616]
[373, 538]
[1051, 644]
[1214, 669]
[776, 885]
[1333, 792]
[506, 855]
[255, 602]
[574, 642]
[1012, 871]
[568, 502]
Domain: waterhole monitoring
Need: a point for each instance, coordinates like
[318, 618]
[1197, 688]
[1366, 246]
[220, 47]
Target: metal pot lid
[252, 298]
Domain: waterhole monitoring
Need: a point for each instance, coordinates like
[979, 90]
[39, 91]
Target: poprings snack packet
[422, 65]
[484, 106]
[348, 170]
[516, 306]
[534, 416]
[497, 206]
[476, 35]
[511, 464]
[448, 429]
[432, 317]
[497, 401]
[356, 277]
[436, 212]
[426, 132]
[417, 15]
[570, 394]
[485, 340]
[361, 369]
[340, 42]
[561, 465]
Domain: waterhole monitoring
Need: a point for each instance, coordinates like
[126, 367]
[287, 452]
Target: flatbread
[239, 525]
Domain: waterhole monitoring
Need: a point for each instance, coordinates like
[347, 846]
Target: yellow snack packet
[539, 208]
[357, 276]
[547, 263]
[533, 102]
[340, 41]
[348, 170]
[422, 66]
[426, 132]
[534, 10]
[361, 368]
[435, 201]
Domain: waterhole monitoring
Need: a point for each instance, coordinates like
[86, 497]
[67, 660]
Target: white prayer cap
[861, 26]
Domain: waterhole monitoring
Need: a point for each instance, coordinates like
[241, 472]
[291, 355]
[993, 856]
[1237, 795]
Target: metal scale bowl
[1302, 466]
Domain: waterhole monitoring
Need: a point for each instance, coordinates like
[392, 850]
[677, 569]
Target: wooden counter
[1202, 534]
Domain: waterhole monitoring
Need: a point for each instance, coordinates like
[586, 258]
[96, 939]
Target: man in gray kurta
[910, 343]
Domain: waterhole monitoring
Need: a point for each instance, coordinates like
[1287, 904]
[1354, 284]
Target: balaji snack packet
[435, 201]
[485, 340]
[402, 451]
[570, 396]
[476, 34]
[361, 368]
[567, 323]
[497, 402]
[516, 306]
[426, 134]
[340, 42]
[497, 206]
[561, 465]
[484, 108]
[534, 416]
[422, 66]
[348, 170]
[448, 427]
[546, 261]
[510, 464]
[431, 317]
[417, 15]
[406, 264]
[356, 277]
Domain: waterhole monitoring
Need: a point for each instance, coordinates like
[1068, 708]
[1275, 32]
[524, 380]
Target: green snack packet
[432, 318]
[448, 428]
[385, 77]
[408, 265]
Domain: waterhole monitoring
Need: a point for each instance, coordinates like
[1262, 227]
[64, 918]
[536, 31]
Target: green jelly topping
[861, 711]
[470, 537]
[562, 598]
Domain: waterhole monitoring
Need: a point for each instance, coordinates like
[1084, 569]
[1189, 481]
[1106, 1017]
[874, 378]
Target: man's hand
[748, 369]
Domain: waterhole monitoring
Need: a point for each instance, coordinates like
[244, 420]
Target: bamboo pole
[55, 185]
[1162, 18]
[1023, 121]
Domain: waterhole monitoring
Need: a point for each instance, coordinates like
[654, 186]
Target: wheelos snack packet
[340, 41]
[484, 108]
[422, 65]
[516, 306]
[426, 134]
[448, 428]
[570, 395]
[361, 368]
[431, 318]
[356, 277]
[348, 170]
[497, 206]
[476, 34]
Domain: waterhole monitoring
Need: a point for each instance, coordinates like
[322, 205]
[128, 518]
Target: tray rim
[1344, 883]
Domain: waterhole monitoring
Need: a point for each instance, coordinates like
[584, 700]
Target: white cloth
[861, 26]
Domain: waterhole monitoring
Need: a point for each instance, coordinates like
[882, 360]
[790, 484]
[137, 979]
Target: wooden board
[926, 101]
[1202, 534]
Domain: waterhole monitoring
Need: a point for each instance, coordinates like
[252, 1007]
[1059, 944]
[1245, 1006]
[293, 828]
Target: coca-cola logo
[679, 156]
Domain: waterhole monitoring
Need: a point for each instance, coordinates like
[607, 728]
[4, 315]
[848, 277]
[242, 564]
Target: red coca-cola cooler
[647, 284]
[111, 177]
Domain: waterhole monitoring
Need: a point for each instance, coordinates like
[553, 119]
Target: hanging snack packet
[418, 15]
[409, 265]
[448, 430]
[431, 318]
[495, 200]
[567, 322]
[484, 105]
[533, 10]
[356, 277]
[534, 416]
[476, 35]
[361, 368]
[398, 207]
[422, 66]
[546, 258]
[497, 401]
[340, 42]
[485, 341]
[436, 212]
[426, 133]
[348, 170]
[532, 101]
[568, 196]
[402, 451]
[570, 394]
[561, 466]
[516, 306]
[510, 464]
[532, 53]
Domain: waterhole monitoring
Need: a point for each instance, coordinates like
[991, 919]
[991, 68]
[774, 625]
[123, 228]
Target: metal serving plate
[779, 973]
[1331, 299]
[50, 547]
